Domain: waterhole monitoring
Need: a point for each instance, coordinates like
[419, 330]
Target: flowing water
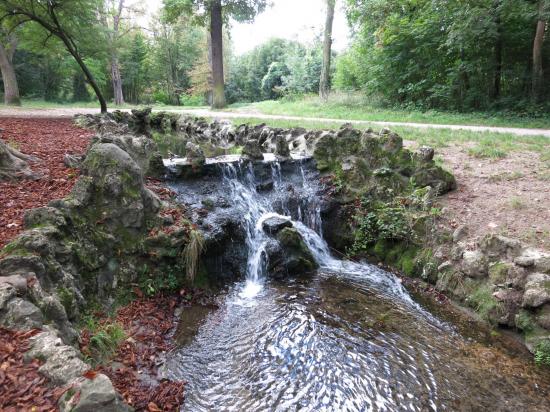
[349, 338]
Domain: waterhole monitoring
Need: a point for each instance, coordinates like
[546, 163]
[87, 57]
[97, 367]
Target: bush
[192, 100]
[542, 353]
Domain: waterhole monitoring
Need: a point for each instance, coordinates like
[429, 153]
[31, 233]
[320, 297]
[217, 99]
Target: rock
[91, 395]
[289, 256]
[497, 246]
[194, 155]
[253, 150]
[7, 292]
[460, 233]
[445, 266]
[281, 147]
[536, 259]
[62, 362]
[543, 316]
[474, 264]
[73, 161]
[426, 153]
[274, 225]
[392, 142]
[44, 216]
[17, 281]
[140, 122]
[510, 303]
[537, 290]
[21, 314]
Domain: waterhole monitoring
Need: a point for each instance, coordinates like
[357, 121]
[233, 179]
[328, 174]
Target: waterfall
[241, 182]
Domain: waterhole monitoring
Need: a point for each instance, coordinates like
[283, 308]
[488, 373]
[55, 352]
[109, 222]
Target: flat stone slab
[232, 158]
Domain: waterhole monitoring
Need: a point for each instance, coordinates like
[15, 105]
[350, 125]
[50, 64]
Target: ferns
[191, 254]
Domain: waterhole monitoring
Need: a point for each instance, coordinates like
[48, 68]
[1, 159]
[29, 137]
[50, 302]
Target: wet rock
[274, 225]
[537, 290]
[290, 256]
[62, 362]
[496, 246]
[253, 150]
[474, 264]
[91, 395]
[265, 186]
[195, 155]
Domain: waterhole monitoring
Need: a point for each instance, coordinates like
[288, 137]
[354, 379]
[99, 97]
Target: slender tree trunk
[537, 82]
[324, 84]
[11, 88]
[216, 36]
[115, 68]
[117, 80]
[498, 52]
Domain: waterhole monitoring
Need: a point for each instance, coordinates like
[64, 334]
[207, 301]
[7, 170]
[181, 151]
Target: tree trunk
[117, 80]
[115, 69]
[216, 36]
[13, 164]
[324, 84]
[11, 88]
[498, 52]
[537, 82]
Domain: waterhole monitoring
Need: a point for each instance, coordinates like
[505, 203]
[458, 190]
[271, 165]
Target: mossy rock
[498, 272]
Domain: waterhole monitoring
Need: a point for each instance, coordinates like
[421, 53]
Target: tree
[8, 44]
[63, 20]
[324, 84]
[215, 14]
[538, 73]
[115, 8]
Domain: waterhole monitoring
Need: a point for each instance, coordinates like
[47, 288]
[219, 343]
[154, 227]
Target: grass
[517, 203]
[485, 144]
[105, 337]
[355, 106]
[191, 254]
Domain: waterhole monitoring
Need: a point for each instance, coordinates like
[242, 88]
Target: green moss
[525, 321]
[66, 298]
[484, 303]
[407, 261]
[498, 272]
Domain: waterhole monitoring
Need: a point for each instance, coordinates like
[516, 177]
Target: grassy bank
[356, 107]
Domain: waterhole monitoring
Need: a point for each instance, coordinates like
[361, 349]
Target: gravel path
[70, 112]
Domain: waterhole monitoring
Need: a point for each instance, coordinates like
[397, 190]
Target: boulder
[543, 316]
[275, 224]
[42, 216]
[460, 233]
[91, 395]
[426, 153]
[537, 290]
[535, 259]
[19, 313]
[62, 362]
[289, 256]
[497, 246]
[474, 264]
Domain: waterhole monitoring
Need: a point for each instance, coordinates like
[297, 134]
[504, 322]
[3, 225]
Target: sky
[298, 20]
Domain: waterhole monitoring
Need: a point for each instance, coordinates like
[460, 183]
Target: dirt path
[70, 112]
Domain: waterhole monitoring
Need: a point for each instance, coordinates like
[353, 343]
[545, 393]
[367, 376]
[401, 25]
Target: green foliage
[542, 353]
[105, 337]
[426, 54]
[152, 283]
[275, 69]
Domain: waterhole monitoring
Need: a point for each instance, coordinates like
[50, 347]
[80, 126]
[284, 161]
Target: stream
[347, 338]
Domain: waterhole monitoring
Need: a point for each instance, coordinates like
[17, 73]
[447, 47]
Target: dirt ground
[48, 140]
[508, 196]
